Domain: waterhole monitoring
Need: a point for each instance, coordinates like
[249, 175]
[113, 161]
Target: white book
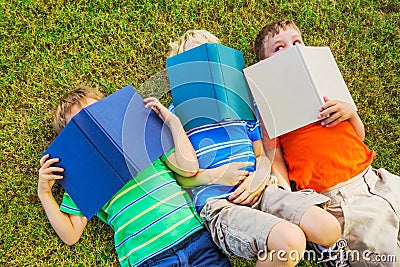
[289, 87]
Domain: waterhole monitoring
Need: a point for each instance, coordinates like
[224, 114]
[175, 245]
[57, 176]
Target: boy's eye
[296, 43]
[278, 48]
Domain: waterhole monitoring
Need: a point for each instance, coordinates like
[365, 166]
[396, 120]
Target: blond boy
[153, 220]
[250, 224]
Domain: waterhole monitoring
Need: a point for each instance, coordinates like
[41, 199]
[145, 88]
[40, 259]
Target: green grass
[49, 47]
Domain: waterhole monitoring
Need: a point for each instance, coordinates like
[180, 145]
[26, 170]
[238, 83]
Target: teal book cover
[208, 85]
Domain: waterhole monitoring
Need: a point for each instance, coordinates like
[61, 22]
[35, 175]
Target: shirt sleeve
[253, 130]
[171, 108]
[164, 157]
[256, 112]
[69, 206]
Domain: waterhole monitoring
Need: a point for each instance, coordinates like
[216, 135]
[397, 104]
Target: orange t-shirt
[319, 157]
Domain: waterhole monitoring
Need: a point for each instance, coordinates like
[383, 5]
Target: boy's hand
[245, 194]
[337, 110]
[230, 174]
[165, 114]
[46, 176]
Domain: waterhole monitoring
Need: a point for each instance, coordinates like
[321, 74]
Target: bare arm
[275, 155]
[68, 227]
[228, 174]
[358, 125]
[279, 166]
[183, 161]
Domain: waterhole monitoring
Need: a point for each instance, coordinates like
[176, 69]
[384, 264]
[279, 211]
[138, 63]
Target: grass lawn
[49, 47]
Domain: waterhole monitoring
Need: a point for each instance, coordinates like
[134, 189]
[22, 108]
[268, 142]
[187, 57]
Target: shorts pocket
[240, 243]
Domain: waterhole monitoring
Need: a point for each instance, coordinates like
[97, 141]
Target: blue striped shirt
[218, 144]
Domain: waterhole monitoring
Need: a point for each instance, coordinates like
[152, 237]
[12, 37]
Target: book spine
[234, 95]
[107, 147]
[310, 78]
[218, 80]
[240, 98]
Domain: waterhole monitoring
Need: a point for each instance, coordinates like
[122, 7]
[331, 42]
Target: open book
[105, 145]
[289, 87]
[208, 85]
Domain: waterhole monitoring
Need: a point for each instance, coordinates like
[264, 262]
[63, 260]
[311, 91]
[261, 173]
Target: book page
[284, 92]
[325, 73]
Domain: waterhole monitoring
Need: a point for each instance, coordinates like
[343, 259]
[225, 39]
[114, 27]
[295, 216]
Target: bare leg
[320, 227]
[286, 243]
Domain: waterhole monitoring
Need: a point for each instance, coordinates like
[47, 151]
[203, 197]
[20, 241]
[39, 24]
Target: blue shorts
[196, 250]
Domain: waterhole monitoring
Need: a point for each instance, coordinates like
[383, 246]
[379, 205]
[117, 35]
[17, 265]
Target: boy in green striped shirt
[152, 217]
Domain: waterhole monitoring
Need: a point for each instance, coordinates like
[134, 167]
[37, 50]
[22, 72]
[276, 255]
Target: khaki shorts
[367, 207]
[243, 231]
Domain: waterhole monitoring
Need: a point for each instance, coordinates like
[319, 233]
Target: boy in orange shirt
[330, 157]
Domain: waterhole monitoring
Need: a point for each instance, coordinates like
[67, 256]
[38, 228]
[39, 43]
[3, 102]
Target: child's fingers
[52, 177]
[249, 200]
[332, 120]
[245, 164]
[328, 111]
[240, 177]
[241, 198]
[150, 102]
[53, 169]
[327, 105]
[156, 106]
[152, 105]
[243, 173]
[43, 159]
[236, 193]
[49, 162]
[150, 99]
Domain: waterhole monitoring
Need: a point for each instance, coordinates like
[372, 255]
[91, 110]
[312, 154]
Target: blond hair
[76, 97]
[270, 31]
[178, 46]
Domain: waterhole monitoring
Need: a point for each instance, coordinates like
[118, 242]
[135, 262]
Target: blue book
[208, 85]
[105, 145]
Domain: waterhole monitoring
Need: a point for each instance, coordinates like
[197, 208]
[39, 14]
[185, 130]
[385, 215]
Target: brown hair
[269, 31]
[76, 97]
[178, 46]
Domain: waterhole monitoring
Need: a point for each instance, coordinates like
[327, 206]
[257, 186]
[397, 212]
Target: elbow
[183, 181]
[69, 243]
[70, 240]
[362, 136]
[191, 171]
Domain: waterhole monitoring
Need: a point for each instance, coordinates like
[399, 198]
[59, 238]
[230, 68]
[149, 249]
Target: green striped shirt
[150, 214]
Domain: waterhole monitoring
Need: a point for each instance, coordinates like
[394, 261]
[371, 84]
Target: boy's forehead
[283, 34]
[281, 30]
[75, 108]
[195, 41]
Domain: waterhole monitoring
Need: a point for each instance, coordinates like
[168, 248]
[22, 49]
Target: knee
[287, 238]
[320, 226]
